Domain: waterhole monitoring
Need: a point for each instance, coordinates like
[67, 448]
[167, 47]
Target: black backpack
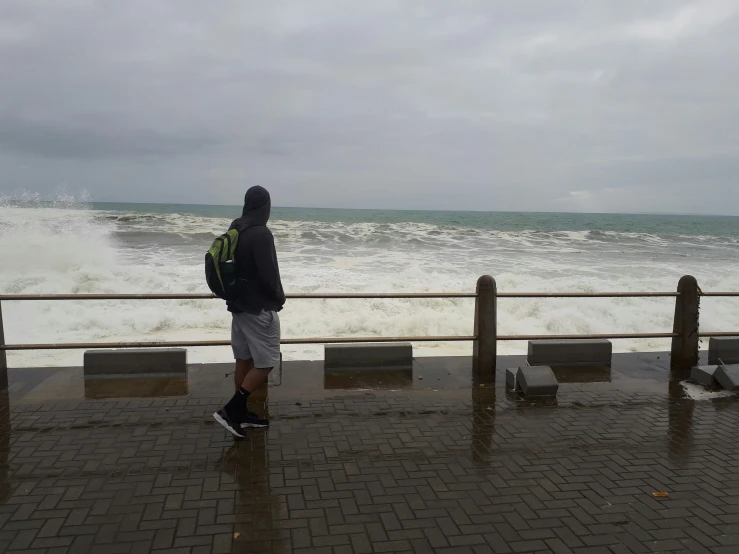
[220, 269]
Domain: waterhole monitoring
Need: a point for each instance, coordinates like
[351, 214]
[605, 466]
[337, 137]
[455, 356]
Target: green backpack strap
[233, 240]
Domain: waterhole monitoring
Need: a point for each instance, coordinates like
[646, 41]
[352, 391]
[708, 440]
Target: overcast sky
[553, 105]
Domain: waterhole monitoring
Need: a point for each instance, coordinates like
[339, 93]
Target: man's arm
[265, 258]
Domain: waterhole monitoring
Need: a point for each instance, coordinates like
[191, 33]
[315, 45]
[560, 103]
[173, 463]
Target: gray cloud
[96, 140]
[533, 105]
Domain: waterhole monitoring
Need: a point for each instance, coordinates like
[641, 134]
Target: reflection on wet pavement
[373, 379]
[4, 445]
[680, 422]
[483, 424]
[257, 512]
[155, 386]
[369, 461]
[582, 373]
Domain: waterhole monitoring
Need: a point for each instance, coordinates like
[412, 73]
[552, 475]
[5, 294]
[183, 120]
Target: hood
[257, 207]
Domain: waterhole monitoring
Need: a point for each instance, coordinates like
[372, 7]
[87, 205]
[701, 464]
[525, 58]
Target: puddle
[444, 378]
[699, 392]
[368, 379]
[136, 388]
[582, 373]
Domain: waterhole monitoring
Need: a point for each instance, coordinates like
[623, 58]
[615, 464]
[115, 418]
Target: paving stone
[537, 381]
[403, 471]
[704, 375]
[728, 377]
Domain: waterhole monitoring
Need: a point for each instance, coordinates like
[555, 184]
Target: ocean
[71, 247]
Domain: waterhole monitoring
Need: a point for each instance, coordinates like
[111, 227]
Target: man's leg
[261, 337]
[236, 414]
[253, 380]
[232, 414]
[264, 345]
[243, 367]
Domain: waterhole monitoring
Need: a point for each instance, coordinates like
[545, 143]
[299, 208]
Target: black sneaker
[222, 417]
[253, 420]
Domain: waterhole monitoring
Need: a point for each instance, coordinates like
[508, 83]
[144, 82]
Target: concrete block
[728, 377]
[135, 362]
[723, 350]
[511, 379]
[537, 381]
[568, 352]
[383, 355]
[704, 375]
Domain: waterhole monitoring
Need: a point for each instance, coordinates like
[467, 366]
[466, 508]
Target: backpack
[220, 269]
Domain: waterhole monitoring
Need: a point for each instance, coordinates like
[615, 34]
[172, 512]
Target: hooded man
[255, 329]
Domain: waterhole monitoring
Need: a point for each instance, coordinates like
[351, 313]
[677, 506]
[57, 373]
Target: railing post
[485, 347]
[685, 345]
[3, 358]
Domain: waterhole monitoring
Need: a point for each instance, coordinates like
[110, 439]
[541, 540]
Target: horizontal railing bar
[576, 337]
[81, 345]
[163, 296]
[719, 334]
[585, 294]
[725, 294]
[341, 340]
[324, 340]
[369, 295]
[201, 296]
[349, 295]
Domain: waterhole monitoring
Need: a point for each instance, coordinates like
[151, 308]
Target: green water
[662, 225]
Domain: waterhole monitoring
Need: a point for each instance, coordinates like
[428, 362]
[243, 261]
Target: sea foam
[70, 249]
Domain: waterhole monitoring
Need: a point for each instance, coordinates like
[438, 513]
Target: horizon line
[425, 210]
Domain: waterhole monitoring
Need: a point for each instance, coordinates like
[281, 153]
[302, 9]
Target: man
[255, 329]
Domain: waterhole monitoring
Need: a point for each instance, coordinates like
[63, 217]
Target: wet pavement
[423, 460]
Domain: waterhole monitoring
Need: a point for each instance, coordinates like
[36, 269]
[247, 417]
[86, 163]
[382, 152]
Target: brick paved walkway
[407, 468]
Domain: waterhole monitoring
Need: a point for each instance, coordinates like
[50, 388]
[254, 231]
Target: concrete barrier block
[135, 361]
[382, 355]
[704, 375]
[728, 377]
[537, 381]
[511, 379]
[723, 350]
[569, 352]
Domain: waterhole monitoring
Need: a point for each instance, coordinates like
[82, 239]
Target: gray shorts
[256, 337]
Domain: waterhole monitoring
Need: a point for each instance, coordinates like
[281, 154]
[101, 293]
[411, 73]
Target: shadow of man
[257, 511]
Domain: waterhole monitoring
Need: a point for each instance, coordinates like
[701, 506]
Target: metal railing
[328, 296]
[350, 295]
[684, 335]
